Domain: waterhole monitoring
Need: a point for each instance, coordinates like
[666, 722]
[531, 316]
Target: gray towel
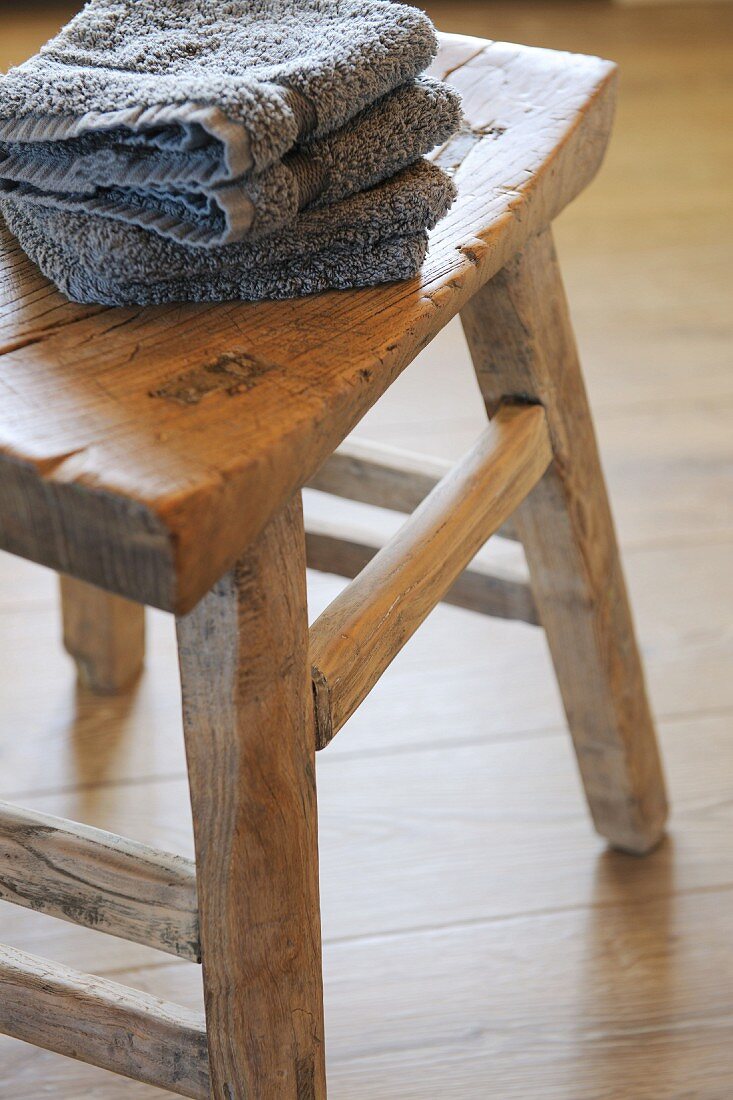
[254, 77]
[371, 237]
[183, 195]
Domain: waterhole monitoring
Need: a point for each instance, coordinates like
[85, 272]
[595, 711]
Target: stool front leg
[248, 723]
[522, 346]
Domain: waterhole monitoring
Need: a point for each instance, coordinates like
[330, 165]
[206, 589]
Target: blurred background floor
[480, 942]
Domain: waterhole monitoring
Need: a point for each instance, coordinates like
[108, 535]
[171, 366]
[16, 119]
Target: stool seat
[143, 450]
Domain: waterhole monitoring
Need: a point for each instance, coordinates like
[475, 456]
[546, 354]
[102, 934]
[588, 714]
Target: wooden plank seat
[156, 456]
[143, 449]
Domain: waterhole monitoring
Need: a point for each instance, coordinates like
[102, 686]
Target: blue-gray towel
[256, 75]
[161, 150]
[371, 237]
[187, 196]
[212, 120]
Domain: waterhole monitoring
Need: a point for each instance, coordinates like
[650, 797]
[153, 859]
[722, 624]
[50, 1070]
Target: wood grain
[63, 738]
[334, 548]
[250, 745]
[361, 632]
[104, 633]
[122, 488]
[521, 342]
[559, 971]
[403, 834]
[386, 477]
[100, 880]
[103, 1023]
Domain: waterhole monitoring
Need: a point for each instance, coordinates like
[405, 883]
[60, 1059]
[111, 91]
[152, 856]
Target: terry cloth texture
[374, 236]
[160, 150]
[258, 76]
[185, 195]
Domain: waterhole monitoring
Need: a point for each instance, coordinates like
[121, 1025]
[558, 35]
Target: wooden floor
[480, 941]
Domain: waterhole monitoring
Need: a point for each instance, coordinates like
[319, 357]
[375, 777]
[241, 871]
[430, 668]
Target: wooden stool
[157, 456]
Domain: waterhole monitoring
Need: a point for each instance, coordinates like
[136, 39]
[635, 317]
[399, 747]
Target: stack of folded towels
[161, 150]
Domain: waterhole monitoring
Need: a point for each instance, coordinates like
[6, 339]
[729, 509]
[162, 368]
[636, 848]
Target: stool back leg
[104, 633]
[248, 722]
[522, 345]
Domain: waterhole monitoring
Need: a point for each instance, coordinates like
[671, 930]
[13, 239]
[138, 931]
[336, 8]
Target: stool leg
[104, 633]
[248, 722]
[522, 344]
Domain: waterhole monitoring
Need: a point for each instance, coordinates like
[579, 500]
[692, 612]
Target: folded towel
[371, 237]
[267, 131]
[182, 195]
[253, 77]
